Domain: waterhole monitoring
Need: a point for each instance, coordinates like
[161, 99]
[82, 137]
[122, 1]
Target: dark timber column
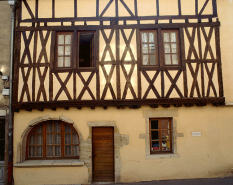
[103, 154]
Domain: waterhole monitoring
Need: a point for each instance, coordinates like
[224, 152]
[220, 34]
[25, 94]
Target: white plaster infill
[50, 163]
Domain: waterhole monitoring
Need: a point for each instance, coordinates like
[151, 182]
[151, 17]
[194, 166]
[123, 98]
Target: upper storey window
[168, 48]
[64, 49]
[171, 47]
[86, 49]
[149, 48]
[74, 51]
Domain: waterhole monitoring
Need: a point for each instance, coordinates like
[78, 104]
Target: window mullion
[160, 137]
[62, 140]
[74, 49]
[170, 44]
[160, 44]
[44, 140]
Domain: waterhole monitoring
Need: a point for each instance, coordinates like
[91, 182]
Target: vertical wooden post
[200, 58]
[53, 9]
[36, 10]
[75, 8]
[182, 49]
[17, 46]
[196, 7]
[34, 62]
[97, 64]
[136, 8]
[138, 38]
[214, 4]
[97, 8]
[219, 64]
[157, 6]
[116, 8]
[179, 7]
[118, 84]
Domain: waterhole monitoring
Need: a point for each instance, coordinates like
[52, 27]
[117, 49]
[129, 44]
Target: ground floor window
[53, 139]
[160, 135]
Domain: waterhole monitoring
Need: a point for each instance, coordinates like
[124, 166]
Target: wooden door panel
[103, 154]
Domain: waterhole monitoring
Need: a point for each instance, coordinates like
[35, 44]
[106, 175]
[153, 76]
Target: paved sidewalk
[213, 181]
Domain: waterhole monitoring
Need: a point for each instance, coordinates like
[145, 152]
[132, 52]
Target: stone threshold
[50, 163]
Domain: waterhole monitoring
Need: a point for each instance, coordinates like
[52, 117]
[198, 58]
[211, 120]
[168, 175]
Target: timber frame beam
[119, 103]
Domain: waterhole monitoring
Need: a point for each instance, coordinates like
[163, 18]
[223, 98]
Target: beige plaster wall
[197, 157]
[225, 17]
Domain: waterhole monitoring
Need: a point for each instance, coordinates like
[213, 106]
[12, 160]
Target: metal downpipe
[10, 151]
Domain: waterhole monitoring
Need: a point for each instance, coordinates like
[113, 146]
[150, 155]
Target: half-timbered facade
[105, 90]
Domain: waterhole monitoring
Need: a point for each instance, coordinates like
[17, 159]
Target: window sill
[50, 163]
[161, 156]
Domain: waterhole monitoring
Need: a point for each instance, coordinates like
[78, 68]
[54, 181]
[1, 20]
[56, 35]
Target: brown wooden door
[103, 154]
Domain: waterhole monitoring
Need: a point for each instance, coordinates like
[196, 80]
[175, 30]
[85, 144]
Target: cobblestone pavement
[213, 181]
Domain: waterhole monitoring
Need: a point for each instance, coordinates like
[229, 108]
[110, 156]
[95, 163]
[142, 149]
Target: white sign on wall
[196, 134]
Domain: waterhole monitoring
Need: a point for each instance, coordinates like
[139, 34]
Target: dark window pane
[67, 128]
[39, 139]
[57, 151]
[49, 151]
[154, 124]
[85, 49]
[75, 150]
[32, 140]
[49, 127]
[57, 139]
[68, 150]
[67, 138]
[155, 146]
[49, 139]
[75, 139]
[39, 151]
[39, 129]
[57, 127]
[155, 135]
[31, 151]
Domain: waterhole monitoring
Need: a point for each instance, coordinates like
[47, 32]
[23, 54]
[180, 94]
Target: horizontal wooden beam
[134, 26]
[139, 18]
[119, 103]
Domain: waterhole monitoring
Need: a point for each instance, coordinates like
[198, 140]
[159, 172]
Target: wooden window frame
[178, 47]
[44, 142]
[160, 151]
[156, 47]
[160, 50]
[74, 52]
[93, 50]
